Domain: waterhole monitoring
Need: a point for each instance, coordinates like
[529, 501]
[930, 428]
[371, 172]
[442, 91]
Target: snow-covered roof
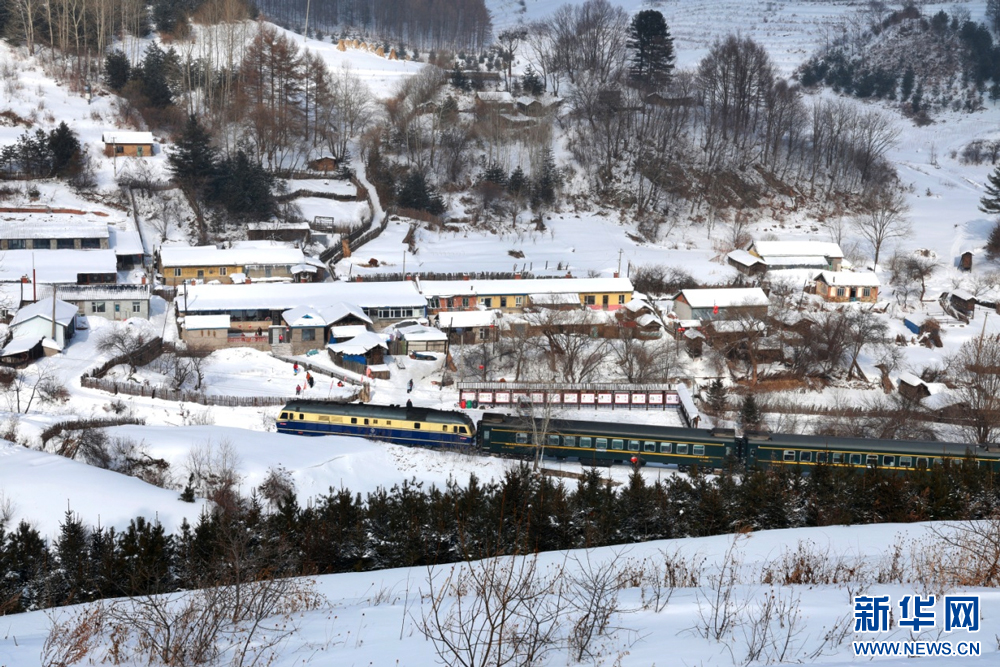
[347, 331]
[736, 326]
[55, 266]
[462, 319]
[65, 312]
[303, 316]
[76, 293]
[942, 399]
[777, 261]
[796, 249]
[524, 100]
[848, 278]
[125, 242]
[241, 254]
[496, 97]
[962, 294]
[910, 379]
[124, 137]
[646, 319]
[635, 305]
[359, 344]
[418, 332]
[283, 296]
[194, 322]
[725, 297]
[37, 227]
[20, 345]
[744, 258]
[431, 288]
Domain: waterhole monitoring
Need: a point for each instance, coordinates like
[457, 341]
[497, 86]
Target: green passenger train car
[604, 442]
[802, 452]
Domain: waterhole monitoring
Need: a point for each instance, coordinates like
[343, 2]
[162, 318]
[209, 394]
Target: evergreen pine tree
[716, 396]
[993, 242]
[653, 50]
[65, 150]
[750, 415]
[517, 184]
[543, 191]
[193, 160]
[990, 202]
[116, 70]
[458, 79]
[916, 104]
[532, 83]
[154, 73]
[26, 570]
[906, 85]
[494, 173]
[73, 552]
[245, 188]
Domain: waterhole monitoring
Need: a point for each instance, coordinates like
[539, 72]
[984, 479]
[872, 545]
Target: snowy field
[375, 618]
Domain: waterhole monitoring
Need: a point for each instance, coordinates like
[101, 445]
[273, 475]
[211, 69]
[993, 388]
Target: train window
[522, 438]
[416, 426]
[388, 422]
[569, 441]
[366, 422]
[284, 415]
[454, 429]
[699, 450]
[856, 459]
[682, 449]
[301, 416]
[602, 443]
[553, 440]
[665, 448]
[633, 445]
[820, 457]
[649, 446]
[462, 429]
[838, 457]
[938, 462]
[789, 455]
[486, 435]
[905, 461]
[445, 428]
[617, 444]
[354, 420]
[922, 463]
[585, 442]
[889, 460]
[805, 456]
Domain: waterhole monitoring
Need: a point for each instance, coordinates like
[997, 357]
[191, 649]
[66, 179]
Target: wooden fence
[355, 239]
[79, 424]
[166, 394]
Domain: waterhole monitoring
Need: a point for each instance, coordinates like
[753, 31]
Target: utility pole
[305, 29]
[53, 311]
[619, 272]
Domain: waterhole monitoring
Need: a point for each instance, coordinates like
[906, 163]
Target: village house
[262, 306]
[59, 267]
[721, 303]
[39, 328]
[324, 163]
[257, 261]
[470, 326]
[420, 338]
[110, 302]
[640, 317]
[207, 332]
[128, 144]
[308, 327]
[364, 353]
[514, 295]
[501, 102]
[46, 233]
[773, 255]
[844, 286]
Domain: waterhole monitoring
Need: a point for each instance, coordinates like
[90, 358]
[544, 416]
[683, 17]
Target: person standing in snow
[298, 390]
[409, 386]
[310, 380]
[295, 368]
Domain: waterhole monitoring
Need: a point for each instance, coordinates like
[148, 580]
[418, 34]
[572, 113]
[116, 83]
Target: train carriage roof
[380, 412]
[621, 429]
[918, 447]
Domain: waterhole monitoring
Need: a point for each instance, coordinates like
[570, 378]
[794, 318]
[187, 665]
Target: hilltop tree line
[423, 24]
[412, 525]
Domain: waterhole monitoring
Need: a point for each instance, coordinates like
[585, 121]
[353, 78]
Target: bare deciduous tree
[975, 369]
[884, 218]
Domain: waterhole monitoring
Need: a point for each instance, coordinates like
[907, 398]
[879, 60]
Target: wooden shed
[128, 144]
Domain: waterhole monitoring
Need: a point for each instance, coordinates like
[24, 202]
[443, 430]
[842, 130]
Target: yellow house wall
[191, 273]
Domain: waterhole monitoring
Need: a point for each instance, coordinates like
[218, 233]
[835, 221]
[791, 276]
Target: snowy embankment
[769, 594]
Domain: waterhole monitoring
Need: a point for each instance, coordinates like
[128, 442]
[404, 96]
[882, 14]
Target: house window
[483, 333]
[308, 334]
[488, 302]
[136, 307]
[201, 273]
[465, 302]
[41, 244]
[119, 150]
[503, 302]
[590, 300]
[866, 291]
[16, 244]
[177, 273]
[841, 291]
[97, 306]
[518, 301]
[267, 271]
[223, 270]
[621, 299]
[435, 302]
[90, 244]
[65, 244]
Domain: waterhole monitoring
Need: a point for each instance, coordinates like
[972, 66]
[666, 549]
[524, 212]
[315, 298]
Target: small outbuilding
[843, 286]
[128, 144]
[43, 320]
